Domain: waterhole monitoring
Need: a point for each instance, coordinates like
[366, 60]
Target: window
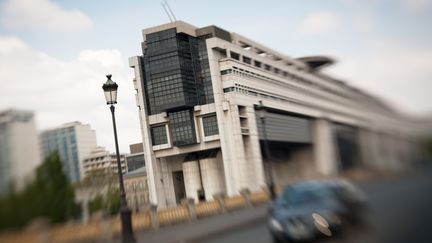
[159, 135]
[183, 127]
[267, 67]
[235, 55]
[257, 64]
[247, 60]
[225, 72]
[210, 125]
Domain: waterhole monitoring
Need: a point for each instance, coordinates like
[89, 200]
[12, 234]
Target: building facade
[73, 141]
[198, 94]
[135, 160]
[101, 159]
[136, 188]
[19, 149]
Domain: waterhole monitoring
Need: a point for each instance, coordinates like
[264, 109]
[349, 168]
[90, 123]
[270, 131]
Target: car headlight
[275, 224]
[321, 224]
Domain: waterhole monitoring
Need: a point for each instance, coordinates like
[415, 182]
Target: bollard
[154, 217]
[220, 198]
[106, 228]
[245, 192]
[42, 226]
[190, 204]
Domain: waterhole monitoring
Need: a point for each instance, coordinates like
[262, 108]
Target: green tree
[49, 195]
[104, 183]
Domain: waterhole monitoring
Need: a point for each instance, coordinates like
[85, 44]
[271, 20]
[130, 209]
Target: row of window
[183, 132]
[133, 186]
[285, 74]
[249, 74]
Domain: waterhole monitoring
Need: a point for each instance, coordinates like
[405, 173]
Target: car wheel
[276, 239]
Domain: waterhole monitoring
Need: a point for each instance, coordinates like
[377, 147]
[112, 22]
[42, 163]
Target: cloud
[398, 72]
[64, 91]
[42, 15]
[319, 23]
[416, 5]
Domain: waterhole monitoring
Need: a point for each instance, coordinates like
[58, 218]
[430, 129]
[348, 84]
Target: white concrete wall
[192, 179]
[212, 176]
[86, 142]
[325, 154]
[24, 151]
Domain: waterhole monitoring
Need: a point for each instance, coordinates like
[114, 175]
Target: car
[307, 210]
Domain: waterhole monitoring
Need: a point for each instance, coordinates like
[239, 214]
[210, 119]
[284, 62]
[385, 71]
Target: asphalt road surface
[400, 212]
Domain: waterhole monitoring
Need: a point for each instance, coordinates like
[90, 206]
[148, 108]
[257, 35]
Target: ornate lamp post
[262, 112]
[110, 90]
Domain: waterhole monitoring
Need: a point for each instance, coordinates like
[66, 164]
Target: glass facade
[64, 142]
[159, 135]
[176, 78]
[183, 129]
[135, 162]
[210, 125]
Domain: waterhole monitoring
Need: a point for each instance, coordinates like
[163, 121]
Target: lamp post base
[126, 222]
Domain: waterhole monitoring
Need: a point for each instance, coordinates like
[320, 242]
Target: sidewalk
[205, 228]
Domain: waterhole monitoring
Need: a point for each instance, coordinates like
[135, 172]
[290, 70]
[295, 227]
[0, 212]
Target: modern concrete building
[198, 90]
[101, 159]
[19, 149]
[136, 187]
[74, 141]
[135, 160]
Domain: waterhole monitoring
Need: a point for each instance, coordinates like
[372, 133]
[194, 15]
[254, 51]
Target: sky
[54, 54]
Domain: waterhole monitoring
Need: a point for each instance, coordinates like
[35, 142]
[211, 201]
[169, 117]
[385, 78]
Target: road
[400, 212]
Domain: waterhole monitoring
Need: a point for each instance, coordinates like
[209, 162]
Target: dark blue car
[307, 210]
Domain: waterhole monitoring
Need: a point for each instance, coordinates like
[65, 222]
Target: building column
[325, 155]
[212, 176]
[192, 179]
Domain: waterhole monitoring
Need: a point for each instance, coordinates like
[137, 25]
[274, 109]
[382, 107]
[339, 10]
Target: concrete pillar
[192, 179]
[325, 148]
[85, 211]
[212, 176]
[154, 216]
[189, 203]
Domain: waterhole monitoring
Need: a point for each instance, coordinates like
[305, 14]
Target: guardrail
[106, 229]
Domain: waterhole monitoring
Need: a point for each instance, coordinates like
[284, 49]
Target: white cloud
[62, 92]
[416, 5]
[398, 72]
[318, 23]
[42, 15]
[364, 22]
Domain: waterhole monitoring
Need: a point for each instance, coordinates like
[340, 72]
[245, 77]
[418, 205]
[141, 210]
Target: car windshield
[293, 197]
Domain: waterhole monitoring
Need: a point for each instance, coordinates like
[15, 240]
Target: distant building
[135, 160]
[137, 193]
[74, 141]
[101, 159]
[19, 148]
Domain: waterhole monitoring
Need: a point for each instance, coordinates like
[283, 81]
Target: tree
[49, 195]
[103, 186]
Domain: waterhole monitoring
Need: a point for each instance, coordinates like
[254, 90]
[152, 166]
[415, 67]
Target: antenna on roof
[168, 10]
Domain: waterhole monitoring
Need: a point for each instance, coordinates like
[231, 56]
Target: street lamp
[262, 112]
[110, 90]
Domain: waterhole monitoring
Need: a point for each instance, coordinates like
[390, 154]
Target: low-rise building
[137, 193]
[135, 159]
[101, 159]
